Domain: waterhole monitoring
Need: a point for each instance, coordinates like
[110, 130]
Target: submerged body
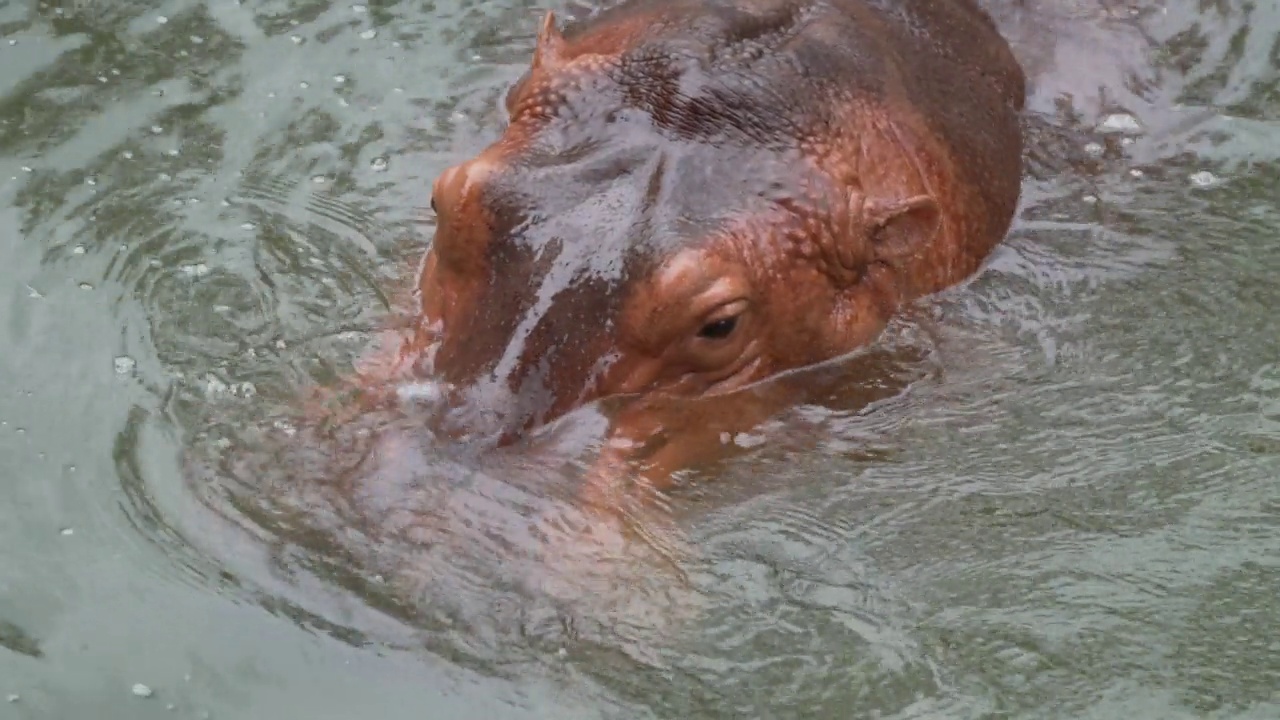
[695, 195]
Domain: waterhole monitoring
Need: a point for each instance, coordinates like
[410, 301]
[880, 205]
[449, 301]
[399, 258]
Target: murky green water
[1072, 510]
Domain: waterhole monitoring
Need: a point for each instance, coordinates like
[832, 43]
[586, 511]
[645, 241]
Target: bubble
[369, 34]
[304, 84]
[142, 690]
[297, 39]
[67, 532]
[1094, 149]
[197, 40]
[359, 9]
[85, 286]
[195, 270]
[379, 164]
[319, 179]
[156, 129]
[161, 19]
[1204, 178]
[78, 250]
[339, 79]
[127, 154]
[247, 226]
[124, 365]
[1120, 123]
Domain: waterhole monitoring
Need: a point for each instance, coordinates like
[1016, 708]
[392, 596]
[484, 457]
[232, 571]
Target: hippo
[694, 196]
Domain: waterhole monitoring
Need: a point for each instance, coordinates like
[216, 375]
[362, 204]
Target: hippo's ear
[901, 228]
[549, 49]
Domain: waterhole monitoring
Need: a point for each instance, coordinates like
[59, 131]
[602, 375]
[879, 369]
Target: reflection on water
[1062, 501]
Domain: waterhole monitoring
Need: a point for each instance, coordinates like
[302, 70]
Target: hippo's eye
[719, 329]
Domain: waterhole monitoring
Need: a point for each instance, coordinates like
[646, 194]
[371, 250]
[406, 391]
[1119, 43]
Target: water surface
[1069, 506]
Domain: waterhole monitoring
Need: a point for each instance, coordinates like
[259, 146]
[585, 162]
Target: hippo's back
[787, 74]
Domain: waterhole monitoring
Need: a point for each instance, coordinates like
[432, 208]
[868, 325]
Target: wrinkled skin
[693, 196]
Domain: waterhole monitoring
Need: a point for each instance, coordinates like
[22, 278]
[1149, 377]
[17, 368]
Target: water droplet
[245, 389]
[343, 102]
[12, 697]
[162, 19]
[34, 293]
[127, 154]
[280, 345]
[1094, 149]
[318, 179]
[102, 78]
[142, 690]
[304, 84]
[195, 270]
[78, 250]
[395, 43]
[13, 42]
[26, 168]
[85, 286]
[1204, 178]
[293, 23]
[1091, 199]
[165, 177]
[339, 79]
[213, 386]
[67, 532]
[369, 34]
[124, 365]
[197, 40]
[359, 9]
[297, 39]
[379, 164]
[1136, 173]
[115, 71]
[247, 226]
[1120, 122]
[156, 129]
[397, 90]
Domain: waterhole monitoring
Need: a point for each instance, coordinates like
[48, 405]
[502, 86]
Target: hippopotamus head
[691, 196]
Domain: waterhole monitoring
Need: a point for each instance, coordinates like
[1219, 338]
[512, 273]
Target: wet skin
[691, 197]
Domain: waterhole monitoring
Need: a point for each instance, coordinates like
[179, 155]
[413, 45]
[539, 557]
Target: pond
[1067, 505]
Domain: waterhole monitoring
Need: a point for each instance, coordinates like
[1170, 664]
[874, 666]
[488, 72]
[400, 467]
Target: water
[1067, 506]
